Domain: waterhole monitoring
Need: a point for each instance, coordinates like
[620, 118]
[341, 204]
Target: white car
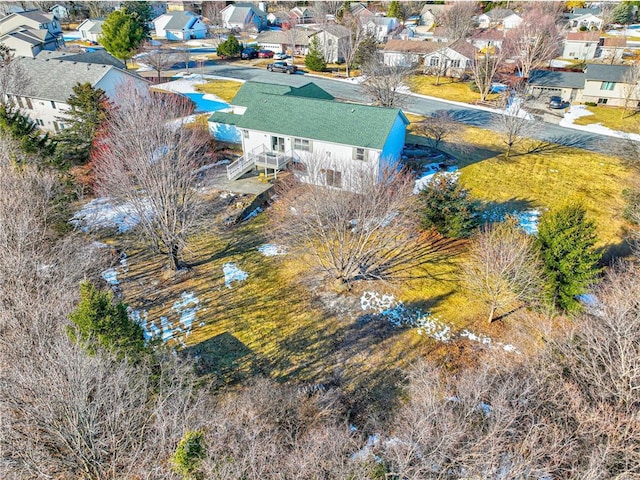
[280, 56]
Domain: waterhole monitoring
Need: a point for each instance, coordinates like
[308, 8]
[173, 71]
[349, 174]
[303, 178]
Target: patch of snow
[559, 63]
[101, 213]
[150, 329]
[528, 219]
[426, 179]
[110, 275]
[204, 168]
[475, 338]
[254, 213]
[232, 273]
[484, 408]
[227, 195]
[271, 250]
[577, 111]
[186, 308]
[183, 85]
[514, 109]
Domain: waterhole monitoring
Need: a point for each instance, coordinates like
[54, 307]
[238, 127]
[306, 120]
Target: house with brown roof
[453, 60]
[581, 45]
[611, 48]
[440, 35]
[407, 53]
[487, 38]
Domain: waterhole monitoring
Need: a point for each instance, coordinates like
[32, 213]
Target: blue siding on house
[392, 149]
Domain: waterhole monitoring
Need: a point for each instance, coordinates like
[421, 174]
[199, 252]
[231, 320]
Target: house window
[62, 127]
[333, 178]
[330, 41]
[39, 122]
[302, 144]
[29, 105]
[19, 99]
[602, 101]
[360, 154]
[245, 133]
[607, 85]
[53, 104]
[277, 144]
[55, 126]
[572, 54]
[455, 63]
[434, 61]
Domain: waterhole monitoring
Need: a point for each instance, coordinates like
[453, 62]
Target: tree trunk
[492, 313]
[174, 258]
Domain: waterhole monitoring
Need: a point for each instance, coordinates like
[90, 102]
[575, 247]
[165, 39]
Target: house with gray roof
[610, 85]
[243, 16]
[407, 53]
[333, 40]
[27, 33]
[452, 60]
[90, 30]
[280, 41]
[499, 16]
[179, 25]
[34, 19]
[380, 27]
[324, 140]
[49, 82]
[546, 83]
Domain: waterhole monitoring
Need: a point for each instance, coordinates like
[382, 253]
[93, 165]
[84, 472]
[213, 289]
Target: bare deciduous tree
[159, 59]
[211, 10]
[458, 21]
[437, 127]
[534, 42]
[485, 68]
[503, 270]
[514, 125]
[384, 83]
[12, 75]
[631, 90]
[366, 233]
[148, 158]
[349, 49]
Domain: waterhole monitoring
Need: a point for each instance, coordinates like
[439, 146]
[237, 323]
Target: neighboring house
[243, 16]
[611, 48]
[581, 45]
[98, 56]
[430, 14]
[380, 27]
[178, 25]
[496, 17]
[453, 60]
[59, 11]
[440, 35]
[29, 42]
[511, 21]
[567, 85]
[359, 9]
[299, 15]
[158, 8]
[609, 85]
[34, 19]
[407, 53]
[49, 84]
[279, 41]
[588, 21]
[278, 18]
[324, 140]
[90, 30]
[487, 38]
[333, 40]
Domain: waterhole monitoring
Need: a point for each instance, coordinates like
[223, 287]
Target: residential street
[465, 114]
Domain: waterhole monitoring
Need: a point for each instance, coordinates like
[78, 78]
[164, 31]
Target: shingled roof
[607, 73]
[411, 46]
[274, 109]
[547, 78]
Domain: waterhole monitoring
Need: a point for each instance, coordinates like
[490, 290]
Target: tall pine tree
[122, 34]
[567, 239]
[89, 109]
[314, 60]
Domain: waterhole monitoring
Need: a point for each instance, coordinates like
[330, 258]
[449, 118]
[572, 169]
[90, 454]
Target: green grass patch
[614, 118]
[448, 89]
[224, 89]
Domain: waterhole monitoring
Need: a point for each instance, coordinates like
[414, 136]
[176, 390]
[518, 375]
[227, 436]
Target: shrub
[446, 206]
[591, 104]
[314, 60]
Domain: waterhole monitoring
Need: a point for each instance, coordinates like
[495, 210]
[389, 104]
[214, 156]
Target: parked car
[280, 56]
[249, 53]
[265, 54]
[556, 102]
[283, 67]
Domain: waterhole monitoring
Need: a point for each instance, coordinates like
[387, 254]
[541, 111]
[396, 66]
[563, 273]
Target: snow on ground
[252, 214]
[271, 250]
[426, 324]
[559, 63]
[232, 273]
[430, 171]
[577, 111]
[186, 308]
[103, 213]
[150, 329]
[514, 109]
[186, 84]
[527, 219]
[110, 275]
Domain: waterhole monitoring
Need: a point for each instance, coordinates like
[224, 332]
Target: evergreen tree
[567, 243]
[188, 455]
[395, 10]
[230, 47]
[89, 108]
[446, 206]
[314, 60]
[22, 129]
[622, 14]
[101, 324]
[121, 35]
[367, 50]
[142, 12]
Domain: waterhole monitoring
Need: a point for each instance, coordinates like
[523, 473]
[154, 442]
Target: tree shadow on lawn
[496, 211]
[611, 252]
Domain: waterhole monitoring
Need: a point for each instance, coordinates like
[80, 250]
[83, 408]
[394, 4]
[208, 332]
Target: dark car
[249, 53]
[283, 67]
[556, 102]
[265, 53]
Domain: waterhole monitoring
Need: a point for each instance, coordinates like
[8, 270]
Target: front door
[277, 144]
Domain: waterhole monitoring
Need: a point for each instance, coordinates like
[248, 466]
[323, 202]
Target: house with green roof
[326, 140]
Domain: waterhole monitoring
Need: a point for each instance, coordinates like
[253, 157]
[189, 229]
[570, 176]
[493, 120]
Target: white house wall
[579, 50]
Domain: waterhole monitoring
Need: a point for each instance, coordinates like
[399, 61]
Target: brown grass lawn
[613, 117]
[448, 89]
[225, 89]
